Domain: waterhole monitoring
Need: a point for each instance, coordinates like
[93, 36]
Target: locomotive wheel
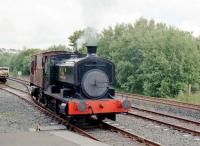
[45, 101]
[36, 97]
[40, 95]
[3, 81]
[42, 98]
[57, 109]
[101, 117]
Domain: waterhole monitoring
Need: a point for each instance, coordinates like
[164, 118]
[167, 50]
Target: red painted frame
[97, 107]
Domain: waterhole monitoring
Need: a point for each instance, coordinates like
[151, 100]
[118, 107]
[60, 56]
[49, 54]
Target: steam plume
[89, 38]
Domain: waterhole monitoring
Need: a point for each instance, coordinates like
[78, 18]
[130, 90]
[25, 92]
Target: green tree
[73, 39]
[152, 58]
[21, 61]
[5, 59]
[58, 48]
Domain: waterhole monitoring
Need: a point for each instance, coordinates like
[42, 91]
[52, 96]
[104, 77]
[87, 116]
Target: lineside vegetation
[151, 58]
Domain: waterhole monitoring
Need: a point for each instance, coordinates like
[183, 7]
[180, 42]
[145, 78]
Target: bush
[152, 58]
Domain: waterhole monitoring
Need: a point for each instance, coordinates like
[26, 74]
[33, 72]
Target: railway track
[130, 135]
[184, 125]
[22, 81]
[151, 115]
[48, 112]
[175, 122]
[167, 115]
[111, 127]
[161, 101]
[141, 97]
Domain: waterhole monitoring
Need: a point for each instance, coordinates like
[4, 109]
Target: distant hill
[3, 50]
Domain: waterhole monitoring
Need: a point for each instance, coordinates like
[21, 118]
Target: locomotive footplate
[80, 107]
[88, 106]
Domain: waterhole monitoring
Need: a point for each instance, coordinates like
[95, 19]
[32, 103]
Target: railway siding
[157, 132]
[168, 109]
[17, 116]
[154, 131]
[178, 125]
[120, 141]
[161, 101]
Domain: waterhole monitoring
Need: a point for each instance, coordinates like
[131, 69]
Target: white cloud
[41, 23]
[37, 23]
[191, 27]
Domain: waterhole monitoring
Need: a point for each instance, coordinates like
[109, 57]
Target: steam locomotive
[77, 85]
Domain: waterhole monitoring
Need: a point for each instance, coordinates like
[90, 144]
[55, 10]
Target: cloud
[41, 23]
[93, 12]
[191, 27]
[37, 23]
[103, 13]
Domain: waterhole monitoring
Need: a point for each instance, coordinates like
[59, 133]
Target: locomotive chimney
[89, 39]
[91, 50]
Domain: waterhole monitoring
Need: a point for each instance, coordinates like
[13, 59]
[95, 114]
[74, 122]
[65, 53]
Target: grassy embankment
[193, 98]
[184, 97]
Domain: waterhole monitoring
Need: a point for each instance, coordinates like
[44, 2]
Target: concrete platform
[47, 138]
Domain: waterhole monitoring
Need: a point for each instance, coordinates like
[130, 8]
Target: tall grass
[192, 98]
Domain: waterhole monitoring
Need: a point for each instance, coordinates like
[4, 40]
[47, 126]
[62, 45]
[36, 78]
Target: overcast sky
[42, 23]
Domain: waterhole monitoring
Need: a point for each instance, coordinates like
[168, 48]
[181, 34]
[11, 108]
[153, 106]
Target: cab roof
[4, 67]
[52, 53]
